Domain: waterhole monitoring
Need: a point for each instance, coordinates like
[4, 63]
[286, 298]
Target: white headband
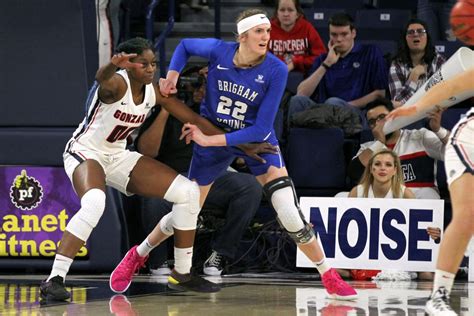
[251, 21]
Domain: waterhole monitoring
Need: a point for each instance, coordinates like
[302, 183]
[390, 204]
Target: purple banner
[36, 203]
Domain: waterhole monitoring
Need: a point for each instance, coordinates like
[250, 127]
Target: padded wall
[44, 79]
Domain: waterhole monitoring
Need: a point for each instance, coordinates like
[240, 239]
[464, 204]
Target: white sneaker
[214, 264]
[438, 304]
[164, 269]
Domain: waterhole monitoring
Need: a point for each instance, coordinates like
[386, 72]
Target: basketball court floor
[244, 294]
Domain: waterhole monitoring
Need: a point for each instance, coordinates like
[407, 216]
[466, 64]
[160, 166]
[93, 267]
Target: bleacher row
[377, 22]
[317, 158]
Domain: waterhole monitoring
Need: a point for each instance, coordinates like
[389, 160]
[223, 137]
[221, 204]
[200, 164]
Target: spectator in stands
[418, 149]
[234, 196]
[383, 178]
[436, 14]
[415, 62]
[350, 74]
[293, 39]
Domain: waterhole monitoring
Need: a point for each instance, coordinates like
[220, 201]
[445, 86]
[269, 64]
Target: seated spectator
[418, 149]
[293, 39]
[233, 196]
[383, 178]
[415, 62]
[350, 74]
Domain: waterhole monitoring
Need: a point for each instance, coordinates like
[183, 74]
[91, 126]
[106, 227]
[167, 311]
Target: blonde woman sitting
[382, 178]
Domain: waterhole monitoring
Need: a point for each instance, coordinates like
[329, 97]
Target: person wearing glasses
[415, 62]
[418, 149]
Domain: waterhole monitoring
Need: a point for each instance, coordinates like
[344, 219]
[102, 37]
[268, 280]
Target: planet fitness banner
[36, 203]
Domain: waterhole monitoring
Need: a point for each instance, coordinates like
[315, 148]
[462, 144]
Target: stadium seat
[451, 116]
[354, 4]
[395, 4]
[319, 17]
[387, 47]
[312, 163]
[447, 48]
[380, 24]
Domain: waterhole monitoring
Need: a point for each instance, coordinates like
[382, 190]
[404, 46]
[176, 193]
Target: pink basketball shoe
[336, 287]
[122, 276]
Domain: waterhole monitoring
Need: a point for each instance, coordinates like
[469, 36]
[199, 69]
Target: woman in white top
[382, 178]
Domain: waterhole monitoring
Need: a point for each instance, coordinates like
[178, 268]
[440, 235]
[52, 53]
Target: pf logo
[26, 192]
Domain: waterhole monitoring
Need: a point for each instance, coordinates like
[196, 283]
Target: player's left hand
[401, 111]
[191, 132]
[435, 118]
[434, 232]
[253, 150]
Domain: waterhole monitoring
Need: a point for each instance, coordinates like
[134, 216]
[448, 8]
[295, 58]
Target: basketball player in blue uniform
[244, 88]
[459, 165]
[96, 156]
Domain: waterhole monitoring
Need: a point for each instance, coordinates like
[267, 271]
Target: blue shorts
[209, 163]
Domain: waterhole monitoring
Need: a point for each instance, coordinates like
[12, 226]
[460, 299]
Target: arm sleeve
[192, 47]
[400, 88]
[433, 145]
[316, 48]
[263, 126]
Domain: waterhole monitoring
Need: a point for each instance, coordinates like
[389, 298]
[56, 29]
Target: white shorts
[117, 167]
[459, 155]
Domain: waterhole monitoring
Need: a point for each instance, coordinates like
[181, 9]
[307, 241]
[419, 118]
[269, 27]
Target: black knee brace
[305, 234]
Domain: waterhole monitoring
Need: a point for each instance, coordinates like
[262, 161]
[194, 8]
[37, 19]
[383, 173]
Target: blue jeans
[233, 196]
[436, 16]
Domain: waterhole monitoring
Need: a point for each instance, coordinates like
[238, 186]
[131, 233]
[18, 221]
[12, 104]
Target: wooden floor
[247, 295]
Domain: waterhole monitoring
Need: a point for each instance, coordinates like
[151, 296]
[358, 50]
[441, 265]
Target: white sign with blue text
[374, 234]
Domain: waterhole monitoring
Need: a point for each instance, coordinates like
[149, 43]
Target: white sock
[322, 266]
[61, 266]
[144, 248]
[183, 259]
[443, 278]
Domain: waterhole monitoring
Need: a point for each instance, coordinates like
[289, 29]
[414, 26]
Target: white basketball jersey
[106, 126]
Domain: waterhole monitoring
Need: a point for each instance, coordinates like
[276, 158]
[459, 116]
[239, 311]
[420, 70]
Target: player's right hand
[122, 60]
[167, 87]
[333, 55]
[254, 149]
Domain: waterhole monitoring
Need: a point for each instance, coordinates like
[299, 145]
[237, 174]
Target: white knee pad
[92, 208]
[184, 193]
[283, 203]
[166, 224]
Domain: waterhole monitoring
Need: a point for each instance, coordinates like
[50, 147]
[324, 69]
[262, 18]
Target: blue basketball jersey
[243, 102]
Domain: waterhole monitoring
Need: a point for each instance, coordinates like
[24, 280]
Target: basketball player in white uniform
[459, 163]
[96, 156]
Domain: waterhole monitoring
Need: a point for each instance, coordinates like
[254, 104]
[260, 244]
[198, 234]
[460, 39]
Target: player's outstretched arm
[112, 86]
[460, 83]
